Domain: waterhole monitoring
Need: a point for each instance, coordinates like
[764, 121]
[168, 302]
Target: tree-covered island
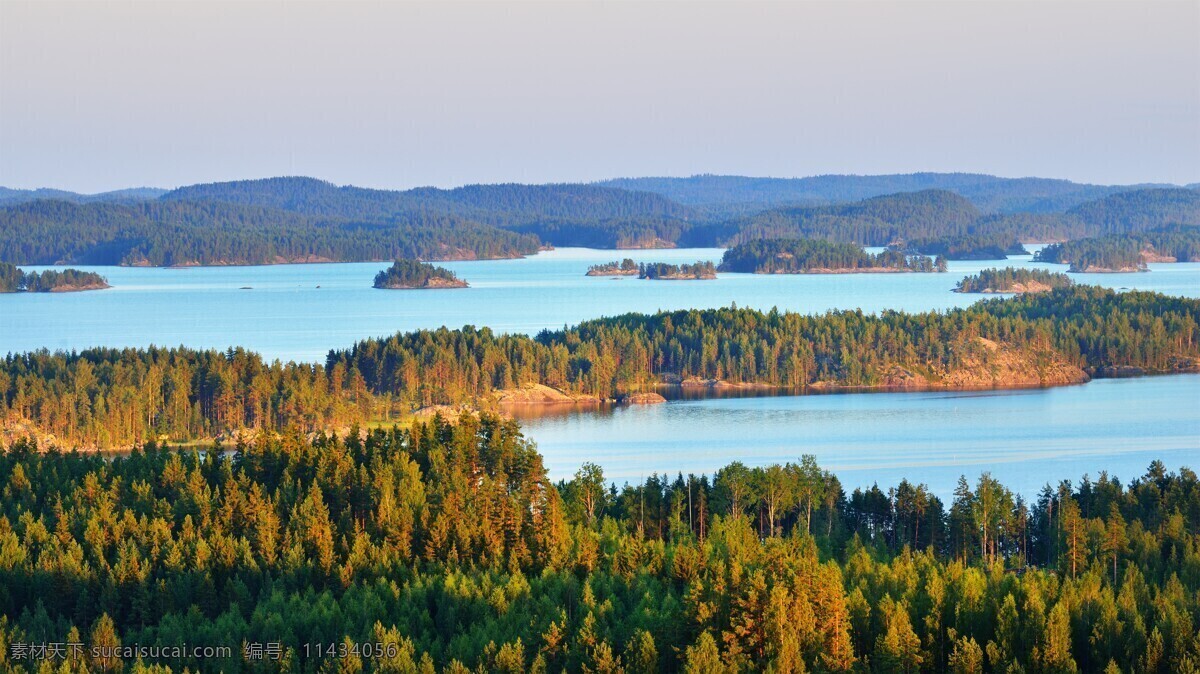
[661, 271]
[626, 267]
[1013, 280]
[13, 280]
[818, 256]
[405, 274]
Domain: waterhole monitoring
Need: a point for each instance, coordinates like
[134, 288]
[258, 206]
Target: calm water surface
[1025, 437]
[286, 315]
[301, 311]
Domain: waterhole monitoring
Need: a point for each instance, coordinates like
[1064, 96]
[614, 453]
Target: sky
[103, 95]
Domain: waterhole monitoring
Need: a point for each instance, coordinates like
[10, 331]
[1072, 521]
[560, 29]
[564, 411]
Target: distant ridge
[14, 196]
[301, 219]
[989, 193]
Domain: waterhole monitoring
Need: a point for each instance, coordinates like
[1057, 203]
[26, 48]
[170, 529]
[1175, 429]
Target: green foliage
[14, 280]
[446, 543]
[626, 266]
[703, 269]
[797, 256]
[1005, 280]
[1091, 327]
[118, 397]
[413, 274]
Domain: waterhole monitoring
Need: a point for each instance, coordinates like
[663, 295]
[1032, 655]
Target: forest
[799, 256]
[412, 274]
[661, 271]
[293, 219]
[1126, 251]
[445, 547]
[106, 398]
[1011, 279]
[180, 233]
[939, 214]
[1092, 328]
[13, 280]
[626, 267]
[991, 194]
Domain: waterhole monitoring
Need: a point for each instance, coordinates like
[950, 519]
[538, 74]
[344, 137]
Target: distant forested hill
[165, 233]
[873, 222]
[938, 214]
[741, 194]
[567, 215]
[10, 196]
[292, 219]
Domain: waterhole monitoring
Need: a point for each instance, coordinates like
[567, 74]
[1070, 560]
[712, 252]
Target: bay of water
[300, 312]
[1025, 438]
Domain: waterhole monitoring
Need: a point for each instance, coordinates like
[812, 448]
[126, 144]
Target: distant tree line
[298, 219]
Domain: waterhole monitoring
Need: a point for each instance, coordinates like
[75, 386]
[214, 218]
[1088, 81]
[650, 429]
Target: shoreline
[584, 402]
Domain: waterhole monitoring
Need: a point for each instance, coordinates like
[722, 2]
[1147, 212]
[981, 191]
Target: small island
[415, 275]
[1118, 253]
[817, 256]
[1010, 280]
[13, 280]
[966, 247]
[626, 267]
[661, 271]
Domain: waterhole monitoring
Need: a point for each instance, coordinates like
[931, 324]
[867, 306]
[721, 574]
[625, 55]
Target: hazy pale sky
[102, 95]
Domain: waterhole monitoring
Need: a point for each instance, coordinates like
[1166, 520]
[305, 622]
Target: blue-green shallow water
[1026, 437]
[285, 315]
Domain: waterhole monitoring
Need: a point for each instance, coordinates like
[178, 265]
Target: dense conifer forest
[167, 233]
[444, 547]
[14, 280]
[117, 397]
[1012, 279]
[413, 274]
[799, 256]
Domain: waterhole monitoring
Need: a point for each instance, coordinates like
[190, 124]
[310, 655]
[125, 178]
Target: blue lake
[301, 311]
